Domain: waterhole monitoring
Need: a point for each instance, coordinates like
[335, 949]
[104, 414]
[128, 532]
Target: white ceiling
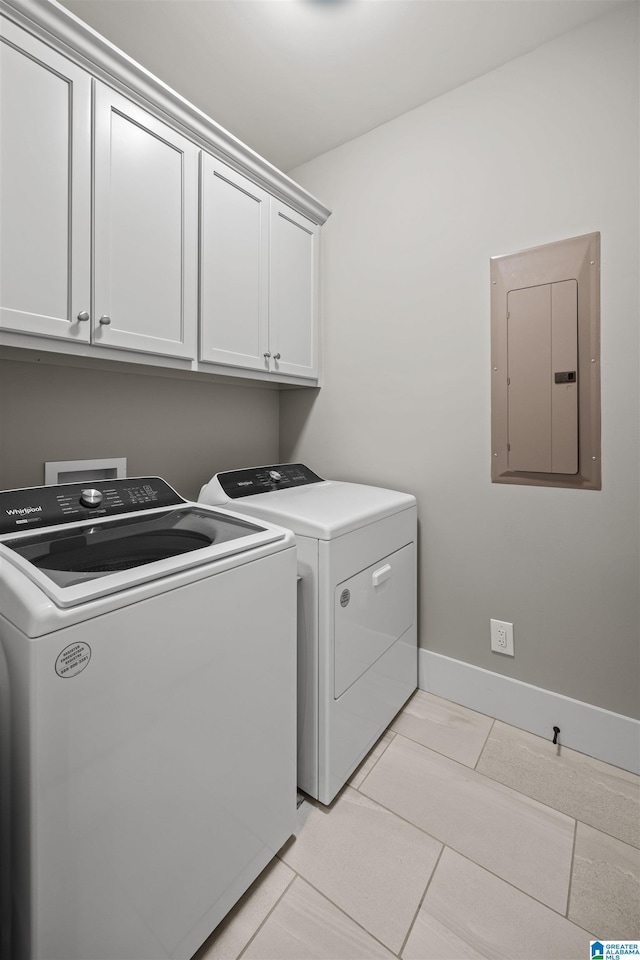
[295, 78]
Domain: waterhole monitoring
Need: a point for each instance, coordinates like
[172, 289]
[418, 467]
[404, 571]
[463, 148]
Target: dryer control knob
[91, 497]
[274, 475]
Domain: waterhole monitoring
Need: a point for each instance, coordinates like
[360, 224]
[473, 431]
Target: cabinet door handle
[266, 355]
[83, 315]
[276, 356]
[105, 321]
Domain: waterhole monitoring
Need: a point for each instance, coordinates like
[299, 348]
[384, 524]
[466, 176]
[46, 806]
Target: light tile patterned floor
[458, 837]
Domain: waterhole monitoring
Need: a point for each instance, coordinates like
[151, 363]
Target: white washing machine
[357, 631]
[149, 714]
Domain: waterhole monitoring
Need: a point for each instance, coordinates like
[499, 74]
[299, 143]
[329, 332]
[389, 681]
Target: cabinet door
[234, 275]
[45, 189]
[146, 233]
[293, 294]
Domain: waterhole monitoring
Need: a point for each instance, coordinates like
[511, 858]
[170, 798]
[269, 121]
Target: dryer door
[372, 610]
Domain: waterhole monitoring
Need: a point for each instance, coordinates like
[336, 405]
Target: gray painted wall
[182, 430]
[544, 148]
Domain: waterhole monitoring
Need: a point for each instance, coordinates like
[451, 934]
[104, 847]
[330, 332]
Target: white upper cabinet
[45, 189]
[234, 268]
[146, 231]
[293, 292]
[111, 247]
[258, 278]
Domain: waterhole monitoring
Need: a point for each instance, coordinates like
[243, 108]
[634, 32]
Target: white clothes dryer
[357, 629]
[149, 692]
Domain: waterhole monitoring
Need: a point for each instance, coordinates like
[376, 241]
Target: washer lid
[327, 509]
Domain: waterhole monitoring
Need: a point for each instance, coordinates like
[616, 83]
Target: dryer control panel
[280, 476]
[22, 510]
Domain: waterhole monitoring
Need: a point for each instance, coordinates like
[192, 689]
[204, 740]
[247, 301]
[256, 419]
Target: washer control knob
[91, 497]
[275, 476]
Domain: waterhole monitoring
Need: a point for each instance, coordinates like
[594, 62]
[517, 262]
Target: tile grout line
[438, 753]
[377, 760]
[550, 806]
[513, 726]
[392, 734]
[344, 913]
[466, 856]
[573, 859]
[489, 776]
[491, 779]
[486, 741]
[507, 786]
[398, 955]
[422, 899]
[266, 917]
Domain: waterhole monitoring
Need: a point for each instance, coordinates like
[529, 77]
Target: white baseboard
[598, 733]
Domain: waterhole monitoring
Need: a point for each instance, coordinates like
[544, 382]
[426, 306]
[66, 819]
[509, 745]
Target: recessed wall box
[545, 359]
[81, 471]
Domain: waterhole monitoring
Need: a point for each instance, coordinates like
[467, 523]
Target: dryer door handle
[379, 576]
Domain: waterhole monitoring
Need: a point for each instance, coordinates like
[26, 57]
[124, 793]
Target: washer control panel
[279, 476]
[31, 507]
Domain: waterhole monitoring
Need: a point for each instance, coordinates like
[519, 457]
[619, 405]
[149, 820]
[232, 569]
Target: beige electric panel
[545, 365]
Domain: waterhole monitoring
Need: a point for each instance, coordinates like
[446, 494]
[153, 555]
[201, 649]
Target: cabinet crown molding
[57, 26]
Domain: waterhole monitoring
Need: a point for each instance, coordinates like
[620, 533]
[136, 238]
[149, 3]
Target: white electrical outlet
[502, 637]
